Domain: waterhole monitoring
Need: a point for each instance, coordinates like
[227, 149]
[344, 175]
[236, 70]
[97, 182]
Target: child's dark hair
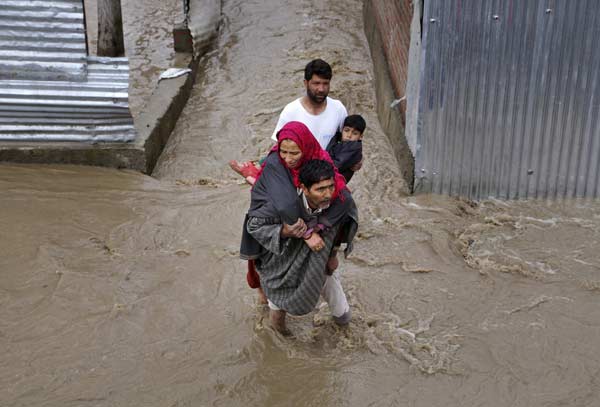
[317, 67]
[314, 171]
[356, 121]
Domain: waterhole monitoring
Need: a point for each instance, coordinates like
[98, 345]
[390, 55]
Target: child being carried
[345, 148]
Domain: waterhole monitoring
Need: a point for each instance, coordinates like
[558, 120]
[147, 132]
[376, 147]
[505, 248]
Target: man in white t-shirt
[322, 115]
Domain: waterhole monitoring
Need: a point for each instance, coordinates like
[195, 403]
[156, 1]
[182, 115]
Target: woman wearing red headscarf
[276, 209]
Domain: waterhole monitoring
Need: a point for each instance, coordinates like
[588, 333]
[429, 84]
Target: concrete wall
[387, 27]
[203, 22]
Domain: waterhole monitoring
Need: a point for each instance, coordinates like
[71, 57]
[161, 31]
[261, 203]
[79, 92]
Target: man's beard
[324, 204]
[318, 99]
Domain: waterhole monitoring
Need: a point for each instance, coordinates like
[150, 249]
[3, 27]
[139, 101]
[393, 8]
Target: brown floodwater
[120, 289]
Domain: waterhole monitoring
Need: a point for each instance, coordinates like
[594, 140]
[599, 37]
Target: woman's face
[290, 153]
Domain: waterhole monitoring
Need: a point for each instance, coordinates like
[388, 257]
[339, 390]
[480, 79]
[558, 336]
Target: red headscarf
[311, 150]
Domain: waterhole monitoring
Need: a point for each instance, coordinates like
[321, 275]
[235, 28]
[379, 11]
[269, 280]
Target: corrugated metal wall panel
[31, 38]
[509, 99]
[50, 90]
[95, 110]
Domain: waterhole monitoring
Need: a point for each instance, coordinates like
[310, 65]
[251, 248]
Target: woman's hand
[296, 230]
[315, 242]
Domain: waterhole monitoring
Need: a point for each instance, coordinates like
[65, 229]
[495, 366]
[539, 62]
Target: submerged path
[256, 68]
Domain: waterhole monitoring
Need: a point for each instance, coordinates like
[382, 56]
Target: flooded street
[120, 289]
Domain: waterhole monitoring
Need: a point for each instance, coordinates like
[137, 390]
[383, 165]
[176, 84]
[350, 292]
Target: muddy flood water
[121, 289]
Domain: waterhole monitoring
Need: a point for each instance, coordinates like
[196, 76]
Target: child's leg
[247, 170]
[236, 166]
[245, 167]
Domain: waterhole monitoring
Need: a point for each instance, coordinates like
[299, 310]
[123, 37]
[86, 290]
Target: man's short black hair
[317, 67]
[314, 171]
[356, 121]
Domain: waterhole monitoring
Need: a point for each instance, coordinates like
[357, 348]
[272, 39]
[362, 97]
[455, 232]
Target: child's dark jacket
[344, 154]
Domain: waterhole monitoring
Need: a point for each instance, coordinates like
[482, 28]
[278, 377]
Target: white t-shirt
[323, 126]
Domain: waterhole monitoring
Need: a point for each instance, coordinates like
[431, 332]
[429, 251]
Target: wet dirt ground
[120, 289]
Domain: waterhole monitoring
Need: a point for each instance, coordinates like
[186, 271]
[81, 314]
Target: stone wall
[388, 30]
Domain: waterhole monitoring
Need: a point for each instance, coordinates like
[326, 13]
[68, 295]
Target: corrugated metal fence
[42, 40]
[50, 90]
[509, 105]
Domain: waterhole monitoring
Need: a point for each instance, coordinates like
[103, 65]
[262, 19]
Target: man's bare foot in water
[247, 170]
[278, 322]
[262, 298]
